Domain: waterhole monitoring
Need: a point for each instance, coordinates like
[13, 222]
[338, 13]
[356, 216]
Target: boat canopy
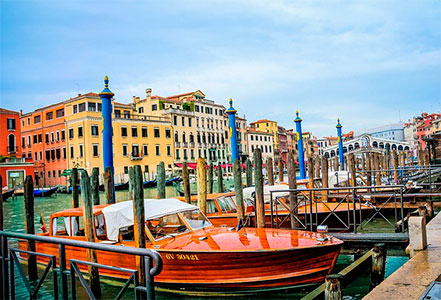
[120, 214]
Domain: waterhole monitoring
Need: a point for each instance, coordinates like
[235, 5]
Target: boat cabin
[164, 218]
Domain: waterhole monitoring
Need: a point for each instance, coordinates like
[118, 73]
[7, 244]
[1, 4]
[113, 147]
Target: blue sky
[366, 62]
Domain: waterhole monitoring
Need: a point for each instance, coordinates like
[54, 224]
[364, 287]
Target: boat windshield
[226, 204]
[166, 227]
[196, 219]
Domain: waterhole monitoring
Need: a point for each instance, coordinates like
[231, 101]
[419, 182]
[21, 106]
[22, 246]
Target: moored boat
[45, 192]
[7, 194]
[197, 255]
[150, 183]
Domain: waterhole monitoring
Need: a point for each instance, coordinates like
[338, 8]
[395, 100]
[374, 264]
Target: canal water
[14, 221]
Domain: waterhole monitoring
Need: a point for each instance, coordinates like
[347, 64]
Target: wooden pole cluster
[210, 179]
[395, 165]
[139, 220]
[220, 179]
[292, 185]
[378, 264]
[89, 229]
[75, 194]
[202, 184]
[237, 173]
[109, 186]
[325, 181]
[95, 186]
[270, 171]
[249, 170]
[29, 225]
[258, 177]
[280, 167]
[352, 170]
[186, 182]
[160, 170]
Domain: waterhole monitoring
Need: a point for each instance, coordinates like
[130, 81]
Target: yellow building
[137, 139]
[269, 127]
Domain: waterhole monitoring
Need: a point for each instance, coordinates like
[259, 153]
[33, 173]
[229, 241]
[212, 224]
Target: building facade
[263, 140]
[393, 132]
[269, 126]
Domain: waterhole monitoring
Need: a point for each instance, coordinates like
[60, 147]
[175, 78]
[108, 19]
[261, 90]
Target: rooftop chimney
[134, 99]
[148, 93]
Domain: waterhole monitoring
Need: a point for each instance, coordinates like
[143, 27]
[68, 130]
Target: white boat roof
[120, 214]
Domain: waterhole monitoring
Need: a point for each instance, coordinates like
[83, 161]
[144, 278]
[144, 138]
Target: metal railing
[9, 260]
[348, 219]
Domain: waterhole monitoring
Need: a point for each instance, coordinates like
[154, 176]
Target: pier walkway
[415, 276]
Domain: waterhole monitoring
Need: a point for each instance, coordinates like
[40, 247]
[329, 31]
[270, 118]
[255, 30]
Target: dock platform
[413, 279]
[369, 239]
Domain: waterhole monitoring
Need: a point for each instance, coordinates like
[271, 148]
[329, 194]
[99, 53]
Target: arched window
[394, 147]
[400, 147]
[11, 143]
[356, 145]
[191, 138]
[350, 147]
[406, 148]
[326, 154]
[183, 137]
[332, 153]
[381, 145]
[176, 137]
[375, 144]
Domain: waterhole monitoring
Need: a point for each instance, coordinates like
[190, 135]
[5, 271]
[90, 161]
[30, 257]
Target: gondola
[45, 192]
[7, 194]
[150, 183]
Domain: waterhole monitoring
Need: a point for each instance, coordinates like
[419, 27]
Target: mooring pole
[131, 183]
[258, 177]
[280, 167]
[202, 184]
[292, 185]
[340, 145]
[395, 165]
[160, 176]
[210, 179]
[106, 99]
[220, 180]
[378, 264]
[299, 136]
[29, 225]
[1, 206]
[109, 186]
[89, 229]
[317, 167]
[75, 194]
[270, 171]
[325, 176]
[186, 182]
[333, 287]
[95, 186]
[139, 221]
[237, 172]
[249, 171]
[232, 131]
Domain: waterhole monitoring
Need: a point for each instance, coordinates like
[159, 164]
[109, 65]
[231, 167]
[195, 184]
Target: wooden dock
[363, 240]
[415, 276]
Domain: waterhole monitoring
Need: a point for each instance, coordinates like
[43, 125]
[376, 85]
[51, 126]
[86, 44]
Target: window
[157, 150]
[135, 150]
[80, 148]
[176, 137]
[154, 107]
[35, 140]
[95, 150]
[52, 137]
[126, 114]
[48, 155]
[60, 113]
[146, 169]
[126, 170]
[134, 131]
[41, 155]
[29, 141]
[29, 121]
[58, 153]
[23, 142]
[141, 110]
[40, 138]
[49, 115]
[37, 119]
[99, 107]
[94, 130]
[71, 152]
[183, 121]
[177, 153]
[71, 133]
[58, 136]
[80, 131]
[30, 155]
[64, 152]
[11, 124]
[185, 154]
[124, 150]
[175, 120]
[91, 106]
[191, 138]
[192, 153]
[63, 135]
[35, 156]
[117, 113]
[53, 154]
[196, 108]
[167, 133]
[123, 131]
[81, 107]
[48, 174]
[144, 131]
[74, 109]
[169, 150]
[145, 150]
[157, 133]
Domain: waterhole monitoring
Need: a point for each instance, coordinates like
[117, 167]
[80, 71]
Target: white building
[262, 140]
[393, 132]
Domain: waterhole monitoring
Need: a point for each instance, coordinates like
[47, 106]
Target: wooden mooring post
[139, 221]
[210, 179]
[186, 182]
[317, 167]
[292, 185]
[378, 264]
[1, 205]
[131, 182]
[369, 168]
[249, 171]
[280, 169]
[325, 176]
[202, 184]
[160, 178]
[395, 165]
[95, 186]
[220, 179]
[89, 232]
[237, 173]
[258, 178]
[109, 186]
[29, 225]
[270, 170]
[333, 287]
[75, 194]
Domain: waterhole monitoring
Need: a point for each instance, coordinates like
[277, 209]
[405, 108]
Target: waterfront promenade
[414, 277]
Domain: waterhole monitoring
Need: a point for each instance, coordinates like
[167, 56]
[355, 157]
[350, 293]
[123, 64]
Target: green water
[14, 221]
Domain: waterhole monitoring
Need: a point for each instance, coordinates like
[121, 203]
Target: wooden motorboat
[196, 255]
[45, 192]
[222, 211]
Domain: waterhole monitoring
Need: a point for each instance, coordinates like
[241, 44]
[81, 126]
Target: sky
[369, 63]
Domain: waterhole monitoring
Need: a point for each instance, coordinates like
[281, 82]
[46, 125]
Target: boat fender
[203, 238]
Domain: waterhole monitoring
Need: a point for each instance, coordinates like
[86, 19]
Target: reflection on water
[14, 221]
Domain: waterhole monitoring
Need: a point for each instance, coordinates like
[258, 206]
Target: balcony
[177, 111]
[191, 145]
[136, 156]
[11, 149]
[185, 145]
[178, 144]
